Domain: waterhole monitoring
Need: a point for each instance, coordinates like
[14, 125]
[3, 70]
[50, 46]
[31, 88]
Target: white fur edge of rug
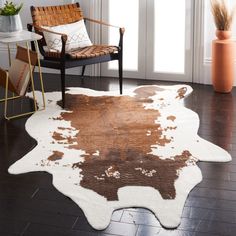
[95, 207]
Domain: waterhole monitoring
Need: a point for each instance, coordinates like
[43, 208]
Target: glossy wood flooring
[30, 205]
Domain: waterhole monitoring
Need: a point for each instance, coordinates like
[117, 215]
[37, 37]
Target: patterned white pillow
[76, 32]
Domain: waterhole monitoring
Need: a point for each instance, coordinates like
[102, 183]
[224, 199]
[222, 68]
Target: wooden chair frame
[63, 62]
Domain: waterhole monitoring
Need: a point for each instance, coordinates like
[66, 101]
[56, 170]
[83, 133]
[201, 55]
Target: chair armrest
[104, 23]
[41, 29]
[38, 29]
[121, 30]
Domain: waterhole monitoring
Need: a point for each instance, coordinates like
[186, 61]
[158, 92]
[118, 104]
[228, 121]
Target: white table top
[23, 36]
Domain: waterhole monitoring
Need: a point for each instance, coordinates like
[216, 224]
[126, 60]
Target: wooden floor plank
[30, 205]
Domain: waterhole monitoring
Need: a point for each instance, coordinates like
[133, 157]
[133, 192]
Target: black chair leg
[83, 70]
[63, 86]
[120, 73]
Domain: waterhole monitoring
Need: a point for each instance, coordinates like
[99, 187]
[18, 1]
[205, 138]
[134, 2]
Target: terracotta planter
[223, 57]
[223, 34]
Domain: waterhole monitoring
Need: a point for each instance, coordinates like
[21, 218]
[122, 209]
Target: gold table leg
[32, 84]
[31, 76]
[40, 74]
[9, 54]
[6, 97]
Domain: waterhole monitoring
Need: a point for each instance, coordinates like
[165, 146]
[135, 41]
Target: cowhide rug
[107, 151]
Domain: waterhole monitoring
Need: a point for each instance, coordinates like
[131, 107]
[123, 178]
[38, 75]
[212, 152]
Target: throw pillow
[76, 32]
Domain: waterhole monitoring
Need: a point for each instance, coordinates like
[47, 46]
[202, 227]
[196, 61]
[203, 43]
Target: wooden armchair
[66, 14]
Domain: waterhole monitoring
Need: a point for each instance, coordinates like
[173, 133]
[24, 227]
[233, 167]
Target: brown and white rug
[107, 152]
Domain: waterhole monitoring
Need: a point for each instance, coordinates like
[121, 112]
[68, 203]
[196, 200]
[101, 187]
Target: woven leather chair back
[56, 15]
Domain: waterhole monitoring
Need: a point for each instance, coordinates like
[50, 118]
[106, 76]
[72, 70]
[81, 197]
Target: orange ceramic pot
[223, 34]
[223, 56]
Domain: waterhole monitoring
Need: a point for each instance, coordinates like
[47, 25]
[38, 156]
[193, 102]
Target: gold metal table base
[6, 99]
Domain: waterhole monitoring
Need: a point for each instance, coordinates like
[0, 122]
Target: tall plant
[223, 16]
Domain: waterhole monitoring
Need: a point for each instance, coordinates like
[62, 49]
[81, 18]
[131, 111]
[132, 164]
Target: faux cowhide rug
[107, 151]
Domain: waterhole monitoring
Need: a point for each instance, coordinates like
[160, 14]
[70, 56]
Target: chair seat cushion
[87, 52]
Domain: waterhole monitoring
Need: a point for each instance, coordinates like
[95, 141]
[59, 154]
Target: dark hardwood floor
[30, 205]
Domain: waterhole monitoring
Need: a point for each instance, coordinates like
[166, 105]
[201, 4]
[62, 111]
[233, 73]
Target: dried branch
[223, 17]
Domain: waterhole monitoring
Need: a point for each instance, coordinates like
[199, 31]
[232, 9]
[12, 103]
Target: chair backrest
[56, 15]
